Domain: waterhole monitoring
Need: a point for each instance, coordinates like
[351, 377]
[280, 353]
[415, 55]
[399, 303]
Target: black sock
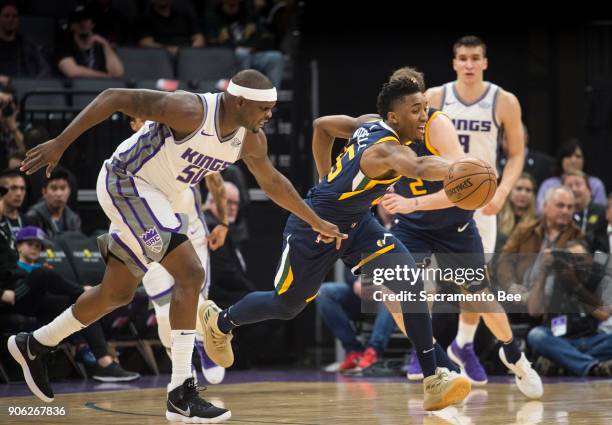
[442, 359]
[224, 322]
[418, 328]
[511, 350]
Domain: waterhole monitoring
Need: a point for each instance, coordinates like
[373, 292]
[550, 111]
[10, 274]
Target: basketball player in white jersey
[481, 112]
[186, 137]
[158, 283]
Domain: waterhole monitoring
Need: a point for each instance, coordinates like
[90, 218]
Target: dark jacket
[527, 238]
[22, 58]
[595, 226]
[39, 215]
[10, 274]
[229, 281]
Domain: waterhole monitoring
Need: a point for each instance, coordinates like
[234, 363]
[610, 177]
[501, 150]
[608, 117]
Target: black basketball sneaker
[185, 405]
[30, 354]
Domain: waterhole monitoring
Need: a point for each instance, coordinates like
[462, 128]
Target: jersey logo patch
[152, 240]
[236, 142]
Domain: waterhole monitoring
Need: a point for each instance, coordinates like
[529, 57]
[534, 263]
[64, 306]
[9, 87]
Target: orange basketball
[470, 183]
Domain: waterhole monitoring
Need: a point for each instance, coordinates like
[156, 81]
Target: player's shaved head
[252, 79]
[410, 74]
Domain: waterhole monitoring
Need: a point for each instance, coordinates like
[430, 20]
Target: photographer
[11, 138]
[565, 295]
[516, 268]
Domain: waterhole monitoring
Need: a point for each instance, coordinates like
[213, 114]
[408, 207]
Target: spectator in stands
[517, 273]
[11, 137]
[518, 208]
[340, 302]
[85, 54]
[51, 213]
[19, 56]
[14, 181]
[228, 278]
[589, 216]
[166, 26]
[14, 160]
[110, 23]
[537, 164]
[609, 218]
[239, 230]
[275, 16]
[569, 336]
[570, 158]
[34, 135]
[232, 25]
[229, 281]
[32, 289]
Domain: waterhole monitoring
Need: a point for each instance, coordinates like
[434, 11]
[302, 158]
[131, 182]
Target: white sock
[182, 349]
[61, 327]
[465, 333]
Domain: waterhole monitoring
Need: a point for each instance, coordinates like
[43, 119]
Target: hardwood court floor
[328, 403]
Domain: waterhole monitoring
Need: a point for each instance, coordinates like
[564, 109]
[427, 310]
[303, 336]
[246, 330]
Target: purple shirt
[598, 191]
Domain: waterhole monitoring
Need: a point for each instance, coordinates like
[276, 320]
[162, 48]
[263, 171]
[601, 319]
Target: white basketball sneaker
[527, 380]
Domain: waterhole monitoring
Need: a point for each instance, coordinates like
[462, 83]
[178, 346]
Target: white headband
[260, 95]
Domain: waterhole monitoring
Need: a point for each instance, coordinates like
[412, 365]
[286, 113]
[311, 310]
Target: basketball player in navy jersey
[375, 158]
[483, 113]
[186, 136]
[442, 228]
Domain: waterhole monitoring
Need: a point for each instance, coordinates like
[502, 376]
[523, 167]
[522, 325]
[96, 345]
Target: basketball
[470, 183]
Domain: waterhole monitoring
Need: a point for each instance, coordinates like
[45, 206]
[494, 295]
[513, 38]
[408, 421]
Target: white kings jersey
[477, 127]
[172, 166]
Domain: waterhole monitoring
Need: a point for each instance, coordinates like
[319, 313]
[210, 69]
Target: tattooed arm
[181, 111]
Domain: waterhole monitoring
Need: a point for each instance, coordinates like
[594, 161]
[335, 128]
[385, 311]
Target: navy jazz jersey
[346, 194]
[412, 188]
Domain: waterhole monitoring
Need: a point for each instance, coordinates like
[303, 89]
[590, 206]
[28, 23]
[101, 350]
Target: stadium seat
[56, 257]
[40, 101]
[152, 85]
[84, 256]
[145, 63]
[210, 63]
[94, 85]
[39, 29]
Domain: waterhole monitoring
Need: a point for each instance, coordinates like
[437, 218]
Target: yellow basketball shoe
[444, 388]
[217, 344]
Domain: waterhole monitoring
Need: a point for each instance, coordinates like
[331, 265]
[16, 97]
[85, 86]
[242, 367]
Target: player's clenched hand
[329, 232]
[216, 239]
[46, 154]
[396, 204]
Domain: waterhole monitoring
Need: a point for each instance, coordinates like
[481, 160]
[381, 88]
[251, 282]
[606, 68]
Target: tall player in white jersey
[186, 137]
[158, 283]
[482, 112]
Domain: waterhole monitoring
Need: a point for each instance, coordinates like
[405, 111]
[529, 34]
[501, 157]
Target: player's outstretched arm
[509, 112]
[214, 184]
[280, 189]
[381, 159]
[325, 130]
[181, 111]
